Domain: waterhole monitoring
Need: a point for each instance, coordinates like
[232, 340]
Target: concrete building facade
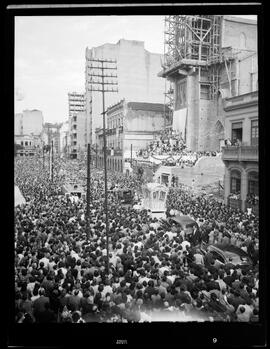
[77, 135]
[130, 127]
[241, 162]
[215, 59]
[137, 78]
[28, 131]
[28, 122]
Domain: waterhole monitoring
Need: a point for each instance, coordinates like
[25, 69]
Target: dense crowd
[60, 266]
[175, 148]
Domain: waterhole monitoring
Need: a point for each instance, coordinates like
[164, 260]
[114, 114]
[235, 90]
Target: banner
[179, 121]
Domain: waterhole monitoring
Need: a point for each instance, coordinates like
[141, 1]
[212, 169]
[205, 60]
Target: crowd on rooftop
[61, 271]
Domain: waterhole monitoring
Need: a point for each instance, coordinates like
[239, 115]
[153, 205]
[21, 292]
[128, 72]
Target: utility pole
[131, 155]
[99, 72]
[96, 154]
[52, 163]
[43, 160]
[88, 190]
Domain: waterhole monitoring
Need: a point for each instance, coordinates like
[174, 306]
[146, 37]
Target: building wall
[246, 115]
[192, 123]
[245, 109]
[76, 103]
[63, 137]
[18, 124]
[248, 70]
[80, 140]
[232, 30]
[32, 122]
[27, 122]
[137, 76]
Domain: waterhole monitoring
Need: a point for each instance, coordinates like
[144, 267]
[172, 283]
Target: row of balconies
[240, 153]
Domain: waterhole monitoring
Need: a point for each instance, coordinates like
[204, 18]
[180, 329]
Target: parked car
[183, 221]
[228, 254]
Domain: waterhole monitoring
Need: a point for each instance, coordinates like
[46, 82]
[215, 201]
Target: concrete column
[244, 188]
[227, 184]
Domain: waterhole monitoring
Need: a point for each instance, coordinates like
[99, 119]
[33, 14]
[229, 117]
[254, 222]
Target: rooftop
[240, 20]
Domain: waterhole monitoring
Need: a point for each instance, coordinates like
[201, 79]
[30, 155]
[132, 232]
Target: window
[22, 143]
[205, 89]
[74, 118]
[26, 143]
[237, 131]
[235, 181]
[74, 143]
[253, 183]
[164, 179]
[74, 127]
[254, 132]
[162, 195]
[218, 256]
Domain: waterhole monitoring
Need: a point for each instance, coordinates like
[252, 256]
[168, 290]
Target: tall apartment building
[78, 125]
[76, 103]
[207, 60]
[77, 135]
[137, 78]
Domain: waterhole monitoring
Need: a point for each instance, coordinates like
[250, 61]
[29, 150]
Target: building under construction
[206, 59]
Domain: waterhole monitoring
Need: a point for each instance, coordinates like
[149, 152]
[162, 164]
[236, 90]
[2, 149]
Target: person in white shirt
[45, 261]
[184, 245]
[199, 258]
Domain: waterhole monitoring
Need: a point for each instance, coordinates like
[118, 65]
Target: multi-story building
[28, 122]
[52, 133]
[207, 59]
[78, 125]
[77, 135]
[241, 181]
[28, 127]
[131, 126]
[136, 73]
[76, 103]
[30, 145]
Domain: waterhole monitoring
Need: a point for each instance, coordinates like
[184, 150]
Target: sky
[50, 55]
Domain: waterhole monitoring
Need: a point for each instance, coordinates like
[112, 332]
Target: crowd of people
[175, 149]
[252, 199]
[61, 271]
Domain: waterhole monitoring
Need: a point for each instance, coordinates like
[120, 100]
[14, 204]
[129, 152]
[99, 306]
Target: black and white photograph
[136, 169]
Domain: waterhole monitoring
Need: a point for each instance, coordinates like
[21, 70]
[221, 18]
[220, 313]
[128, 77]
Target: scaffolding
[194, 41]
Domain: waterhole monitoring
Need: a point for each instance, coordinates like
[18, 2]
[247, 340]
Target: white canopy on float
[154, 197]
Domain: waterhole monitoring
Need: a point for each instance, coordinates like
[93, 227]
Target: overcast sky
[50, 55]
